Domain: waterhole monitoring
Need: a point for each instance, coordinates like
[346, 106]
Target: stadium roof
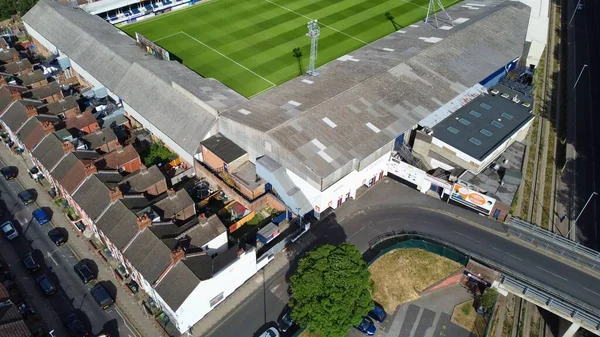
[485, 123]
[149, 86]
[363, 100]
[99, 7]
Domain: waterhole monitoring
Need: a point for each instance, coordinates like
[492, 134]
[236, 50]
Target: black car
[30, 263]
[26, 197]
[56, 236]
[285, 320]
[9, 172]
[75, 326]
[84, 273]
[102, 296]
[46, 285]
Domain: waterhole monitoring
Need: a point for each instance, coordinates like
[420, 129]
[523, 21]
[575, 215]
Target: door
[380, 175]
[339, 203]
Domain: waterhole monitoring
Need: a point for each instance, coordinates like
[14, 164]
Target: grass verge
[465, 315]
[399, 276]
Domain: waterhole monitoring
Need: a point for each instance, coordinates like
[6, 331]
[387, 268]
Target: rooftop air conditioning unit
[495, 92]
[505, 95]
[516, 99]
[526, 104]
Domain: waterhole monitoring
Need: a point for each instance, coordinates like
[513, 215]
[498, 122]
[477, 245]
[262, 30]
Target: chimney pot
[115, 194]
[68, 147]
[177, 255]
[15, 95]
[48, 127]
[171, 192]
[90, 169]
[143, 221]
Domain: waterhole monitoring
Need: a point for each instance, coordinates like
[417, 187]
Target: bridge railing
[555, 243]
[571, 306]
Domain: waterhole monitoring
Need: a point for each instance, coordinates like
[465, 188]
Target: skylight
[485, 106]
[475, 141]
[474, 113]
[486, 132]
[464, 121]
[453, 130]
[497, 124]
[507, 116]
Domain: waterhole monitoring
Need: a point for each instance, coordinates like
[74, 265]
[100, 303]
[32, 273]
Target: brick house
[102, 140]
[124, 160]
[64, 108]
[221, 154]
[83, 122]
[48, 93]
[34, 79]
[16, 68]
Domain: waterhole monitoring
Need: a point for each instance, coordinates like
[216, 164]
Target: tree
[7, 9]
[23, 6]
[331, 290]
[390, 17]
[158, 153]
[488, 299]
[297, 53]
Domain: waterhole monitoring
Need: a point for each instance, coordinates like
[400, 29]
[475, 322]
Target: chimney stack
[68, 147]
[31, 111]
[2, 80]
[48, 127]
[90, 169]
[15, 95]
[177, 255]
[115, 194]
[171, 192]
[143, 221]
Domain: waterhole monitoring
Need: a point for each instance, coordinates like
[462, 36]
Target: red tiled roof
[113, 160]
[81, 121]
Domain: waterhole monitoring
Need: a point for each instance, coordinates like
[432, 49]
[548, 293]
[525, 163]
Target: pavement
[126, 319]
[387, 206]
[581, 175]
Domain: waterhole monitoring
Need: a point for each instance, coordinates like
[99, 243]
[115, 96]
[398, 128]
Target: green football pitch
[248, 44]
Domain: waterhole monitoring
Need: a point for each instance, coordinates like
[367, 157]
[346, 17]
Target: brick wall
[212, 160]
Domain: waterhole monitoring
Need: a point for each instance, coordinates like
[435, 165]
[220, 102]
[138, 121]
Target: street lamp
[574, 11]
[584, 206]
[578, 77]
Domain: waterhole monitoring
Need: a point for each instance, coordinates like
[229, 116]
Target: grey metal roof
[49, 151]
[148, 85]
[119, 224]
[482, 125]
[149, 255]
[362, 101]
[177, 285]
[224, 148]
[93, 197]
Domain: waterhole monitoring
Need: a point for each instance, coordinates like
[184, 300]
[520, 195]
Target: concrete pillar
[572, 330]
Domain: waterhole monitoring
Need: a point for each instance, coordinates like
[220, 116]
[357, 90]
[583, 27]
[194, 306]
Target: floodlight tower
[431, 10]
[313, 33]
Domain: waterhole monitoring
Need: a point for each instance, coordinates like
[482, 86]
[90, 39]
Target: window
[485, 106]
[464, 121]
[216, 300]
[453, 130]
[475, 141]
[507, 116]
[497, 124]
[486, 132]
[474, 113]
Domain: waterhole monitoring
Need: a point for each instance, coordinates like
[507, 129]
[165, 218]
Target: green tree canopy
[488, 299]
[331, 290]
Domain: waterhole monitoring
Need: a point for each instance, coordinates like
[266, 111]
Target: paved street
[72, 294]
[392, 206]
[583, 135]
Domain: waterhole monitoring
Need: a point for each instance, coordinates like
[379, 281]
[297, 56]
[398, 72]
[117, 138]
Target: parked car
[9, 172]
[25, 309]
[9, 230]
[84, 273]
[26, 197]
[270, 332]
[75, 326]
[378, 313]
[102, 296]
[366, 326]
[30, 263]
[47, 286]
[35, 173]
[41, 216]
[57, 237]
[285, 320]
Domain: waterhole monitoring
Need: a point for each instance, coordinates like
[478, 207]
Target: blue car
[366, 326]
[377, 313]
[41, 216]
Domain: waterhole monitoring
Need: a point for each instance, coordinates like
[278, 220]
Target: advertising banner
[480, 202]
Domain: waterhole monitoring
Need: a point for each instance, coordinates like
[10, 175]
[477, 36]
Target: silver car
[9, 230]
[270, 332]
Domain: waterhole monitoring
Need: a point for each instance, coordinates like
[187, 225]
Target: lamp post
[584, 206]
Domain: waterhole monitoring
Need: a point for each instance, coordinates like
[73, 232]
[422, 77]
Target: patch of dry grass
[465, 315]
[400, 275]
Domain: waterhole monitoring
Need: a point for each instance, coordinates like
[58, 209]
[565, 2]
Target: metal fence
[569, 305]
[554, 243]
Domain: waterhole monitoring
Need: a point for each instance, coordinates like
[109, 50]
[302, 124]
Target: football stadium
[247, 45]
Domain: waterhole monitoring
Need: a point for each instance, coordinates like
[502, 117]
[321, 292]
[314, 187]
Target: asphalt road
[264, 306]
[72, 294]
[584, 121]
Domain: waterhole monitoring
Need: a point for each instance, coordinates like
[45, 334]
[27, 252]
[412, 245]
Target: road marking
[593, 292]
[52, 258]
[514, 257]
[227, 57]
[466, 236]
[551, 273]
[320, 23]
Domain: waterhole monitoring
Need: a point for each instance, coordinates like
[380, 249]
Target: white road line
[593, 292]
[551, 273]
[468, 237]
[52, 258]
[227, 57]
[514, 257]
[166, 37]
[125, 322]
[320, 23]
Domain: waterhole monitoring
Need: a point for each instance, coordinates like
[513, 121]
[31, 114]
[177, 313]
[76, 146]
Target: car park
[366, 326]
[75, 326]
[57, 237]
[378, 313]
[270, 332]
[102, 297]
[84, 272]
[30, 263]
[26, 197]
[9, 230]
[46, 285]
[9, 172]
[41, 216]
[285, 321]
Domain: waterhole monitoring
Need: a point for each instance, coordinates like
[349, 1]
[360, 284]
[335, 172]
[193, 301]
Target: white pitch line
[227, 57]
[165, 37]
[322, 24]
[551, 273]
